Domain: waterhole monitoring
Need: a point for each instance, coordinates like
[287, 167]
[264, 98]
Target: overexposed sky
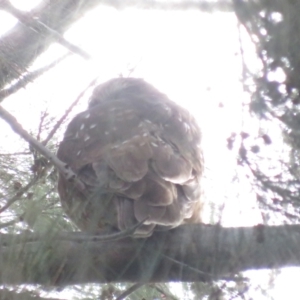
[192, 57]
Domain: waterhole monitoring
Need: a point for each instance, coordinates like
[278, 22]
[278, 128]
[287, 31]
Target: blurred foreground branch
[42, 28]
[188, 253]
[21, 45]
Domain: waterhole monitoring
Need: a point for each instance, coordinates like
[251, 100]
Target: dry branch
[61, 166]
[67, 112]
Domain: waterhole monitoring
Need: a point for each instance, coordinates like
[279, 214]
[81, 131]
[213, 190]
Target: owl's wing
[138, 159]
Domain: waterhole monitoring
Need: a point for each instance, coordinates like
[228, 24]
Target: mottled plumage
[138, 154]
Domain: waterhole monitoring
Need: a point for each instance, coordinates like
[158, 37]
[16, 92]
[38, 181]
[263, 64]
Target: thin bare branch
[186, 266]
[61, 120]
[44, 115]
[61, 166]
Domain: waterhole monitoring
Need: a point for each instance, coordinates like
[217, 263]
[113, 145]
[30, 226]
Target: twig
[185, 265]
[44, 115]
[61, 166]
[39, 27]
[61, 120]
[233, 278]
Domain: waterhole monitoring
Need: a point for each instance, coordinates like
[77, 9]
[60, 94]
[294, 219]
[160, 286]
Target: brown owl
[139, 156]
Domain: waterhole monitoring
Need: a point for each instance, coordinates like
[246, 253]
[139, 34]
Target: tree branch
[191, 252]
[61, 166]
[41, 28]
[22, 45]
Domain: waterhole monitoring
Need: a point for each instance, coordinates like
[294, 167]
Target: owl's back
[139, 156]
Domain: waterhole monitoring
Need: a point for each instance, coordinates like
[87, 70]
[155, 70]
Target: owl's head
[123, 88]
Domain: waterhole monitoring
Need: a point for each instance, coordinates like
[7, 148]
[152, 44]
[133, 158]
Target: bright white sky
[192, 57]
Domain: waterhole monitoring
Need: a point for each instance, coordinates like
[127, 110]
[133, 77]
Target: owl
[139, 157]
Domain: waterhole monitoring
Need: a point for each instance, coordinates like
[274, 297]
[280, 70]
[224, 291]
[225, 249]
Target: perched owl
[138, 155]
